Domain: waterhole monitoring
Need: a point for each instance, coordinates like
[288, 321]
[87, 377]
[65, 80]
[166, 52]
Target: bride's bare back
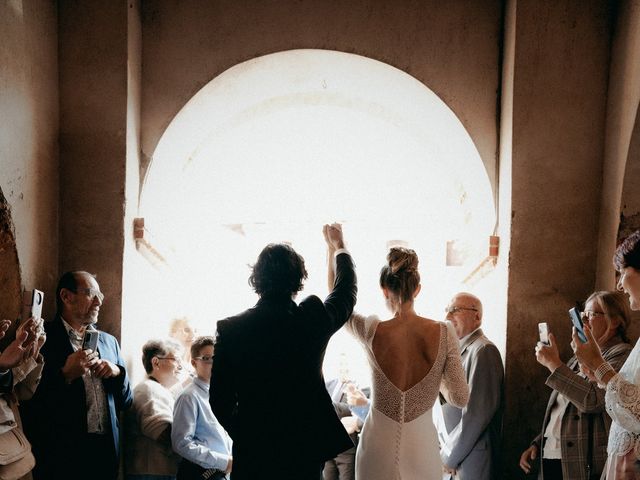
[406, 348]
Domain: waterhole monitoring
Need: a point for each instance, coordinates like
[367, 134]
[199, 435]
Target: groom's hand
[333, 236]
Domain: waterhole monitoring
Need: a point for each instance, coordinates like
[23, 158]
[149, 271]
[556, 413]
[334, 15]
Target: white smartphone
[32, 301]
[543, 332]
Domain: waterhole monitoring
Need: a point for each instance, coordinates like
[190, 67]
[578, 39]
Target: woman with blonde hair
[622, 389]
[572, 441]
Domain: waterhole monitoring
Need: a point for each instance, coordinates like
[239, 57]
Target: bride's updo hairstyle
[400, 275]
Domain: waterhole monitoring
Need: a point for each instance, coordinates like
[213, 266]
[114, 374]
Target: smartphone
[32, 301]
[543, 331]
[90, 340]
[576, 319]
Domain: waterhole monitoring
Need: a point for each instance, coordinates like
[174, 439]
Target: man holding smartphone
[72, 420]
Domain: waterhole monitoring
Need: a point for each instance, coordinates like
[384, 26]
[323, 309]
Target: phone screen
[32, 301]
[90, 340]
[576, 319]
[543, 331]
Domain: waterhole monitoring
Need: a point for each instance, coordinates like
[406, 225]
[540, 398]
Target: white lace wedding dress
[622, 400]
[399, 440]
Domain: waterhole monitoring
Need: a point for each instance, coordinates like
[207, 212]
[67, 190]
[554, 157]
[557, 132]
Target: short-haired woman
[148, 449]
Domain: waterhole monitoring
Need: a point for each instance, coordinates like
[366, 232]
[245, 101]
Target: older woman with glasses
[622, 388]
[572, 443]
[149, 454]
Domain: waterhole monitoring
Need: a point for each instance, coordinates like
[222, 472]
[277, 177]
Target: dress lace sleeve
[454, 385]
[356, 326]
[623, 403]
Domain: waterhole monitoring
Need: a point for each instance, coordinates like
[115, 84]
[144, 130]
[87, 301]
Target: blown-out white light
[276, 146]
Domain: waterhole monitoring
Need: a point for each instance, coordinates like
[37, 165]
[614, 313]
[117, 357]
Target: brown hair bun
[400, 275]
[402, 259]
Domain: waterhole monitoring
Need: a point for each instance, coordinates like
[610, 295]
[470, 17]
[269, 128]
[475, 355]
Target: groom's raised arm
[340, 302]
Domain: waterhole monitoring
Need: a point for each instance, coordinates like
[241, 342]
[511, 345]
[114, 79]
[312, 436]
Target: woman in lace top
[412, 360]
[622, 390]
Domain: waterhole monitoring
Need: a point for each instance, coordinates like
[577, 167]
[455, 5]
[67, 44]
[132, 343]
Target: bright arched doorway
[276, 146]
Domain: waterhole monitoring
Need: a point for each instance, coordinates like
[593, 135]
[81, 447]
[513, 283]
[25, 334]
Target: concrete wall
[452, 47]
[622, 107]
[630, 199]
[627, 182]
[93, 54]
[28, 151]
[559, 107]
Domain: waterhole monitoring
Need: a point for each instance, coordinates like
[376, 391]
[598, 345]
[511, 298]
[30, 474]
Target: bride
[412, 359]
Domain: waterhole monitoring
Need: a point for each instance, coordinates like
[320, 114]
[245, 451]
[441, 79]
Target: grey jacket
[474, 431]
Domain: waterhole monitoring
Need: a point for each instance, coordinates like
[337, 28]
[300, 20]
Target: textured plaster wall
[628, 39]
[452, 47]
[630, 204]
[93, 144]
[622, 107]
[133, 313]
[559, 106]
[28, 151]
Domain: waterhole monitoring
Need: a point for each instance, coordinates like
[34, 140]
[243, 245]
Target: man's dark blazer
[270, 356]
[55, 419]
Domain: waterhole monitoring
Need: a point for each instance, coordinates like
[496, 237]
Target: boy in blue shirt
[196, 435]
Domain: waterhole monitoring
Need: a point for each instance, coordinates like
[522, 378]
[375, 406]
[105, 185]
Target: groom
[267, 385]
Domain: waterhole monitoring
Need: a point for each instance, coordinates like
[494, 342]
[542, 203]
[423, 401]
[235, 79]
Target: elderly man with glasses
[72, 420]
[470, 437]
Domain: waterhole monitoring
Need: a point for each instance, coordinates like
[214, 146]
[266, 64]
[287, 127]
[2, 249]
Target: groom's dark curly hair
[279, 271]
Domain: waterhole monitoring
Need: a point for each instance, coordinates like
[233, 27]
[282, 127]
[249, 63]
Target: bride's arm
[454, 385]
[623, 403]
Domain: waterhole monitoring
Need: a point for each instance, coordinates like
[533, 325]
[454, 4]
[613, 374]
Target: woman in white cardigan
[148, 444]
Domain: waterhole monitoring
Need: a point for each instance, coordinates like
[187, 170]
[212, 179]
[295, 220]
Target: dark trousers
[342, 467]
[552, 469]
[274, 472]
[190, 471]
[92, 456]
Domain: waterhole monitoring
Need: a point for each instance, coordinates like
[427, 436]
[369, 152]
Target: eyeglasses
[457, 309]
[205, 358]
[590, 314]
[91, 293]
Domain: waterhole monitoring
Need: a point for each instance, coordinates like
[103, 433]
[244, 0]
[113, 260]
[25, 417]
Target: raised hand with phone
[604, 322]
[547, 353]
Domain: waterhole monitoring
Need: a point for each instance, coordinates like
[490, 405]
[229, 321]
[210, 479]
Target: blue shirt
[196, 434]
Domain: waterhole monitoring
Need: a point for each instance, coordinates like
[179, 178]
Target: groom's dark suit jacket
[267, 387]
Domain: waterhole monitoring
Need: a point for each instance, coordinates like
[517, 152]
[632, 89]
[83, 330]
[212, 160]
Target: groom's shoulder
[312, 302]
[238, 322]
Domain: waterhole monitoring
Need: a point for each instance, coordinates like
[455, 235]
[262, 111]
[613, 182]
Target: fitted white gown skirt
[389, 450]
